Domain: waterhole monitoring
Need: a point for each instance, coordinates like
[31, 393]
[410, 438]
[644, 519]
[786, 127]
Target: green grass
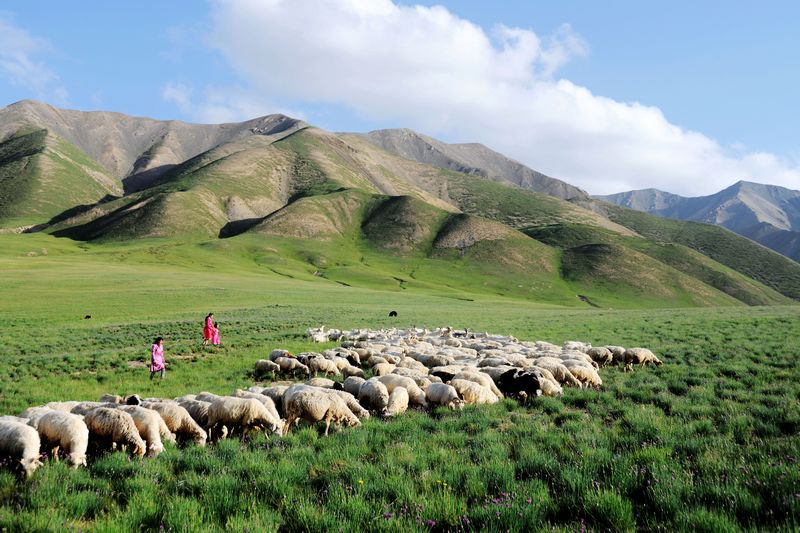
[706, 442]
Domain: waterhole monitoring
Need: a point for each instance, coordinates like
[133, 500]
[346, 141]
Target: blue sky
[723, 73]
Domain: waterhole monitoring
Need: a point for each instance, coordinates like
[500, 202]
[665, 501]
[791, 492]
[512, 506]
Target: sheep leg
[54, 453]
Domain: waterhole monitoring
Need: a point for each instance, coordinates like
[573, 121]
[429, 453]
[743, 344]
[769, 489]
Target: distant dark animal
[87, 317]
[392, 313]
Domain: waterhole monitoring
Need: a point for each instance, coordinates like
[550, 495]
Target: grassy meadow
[708, 442]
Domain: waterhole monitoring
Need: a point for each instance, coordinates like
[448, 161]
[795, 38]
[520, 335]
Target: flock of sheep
[414, 367]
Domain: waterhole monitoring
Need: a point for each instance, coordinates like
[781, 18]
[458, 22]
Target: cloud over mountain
[438, 73]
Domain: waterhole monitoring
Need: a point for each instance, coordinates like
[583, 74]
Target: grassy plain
[708, 442]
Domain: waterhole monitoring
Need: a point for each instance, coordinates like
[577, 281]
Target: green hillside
[724, 246]
[610, 275]
[677, 256]
[41, 176]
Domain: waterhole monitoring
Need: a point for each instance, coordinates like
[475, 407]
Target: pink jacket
[157, 360]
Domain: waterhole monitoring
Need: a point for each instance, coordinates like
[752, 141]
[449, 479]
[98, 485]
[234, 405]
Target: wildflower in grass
[387, 515]
[360, 481]
[431, 522]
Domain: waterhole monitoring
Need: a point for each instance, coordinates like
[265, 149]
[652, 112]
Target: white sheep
[352, 384]
[274, 354]
[618, 353]
[84, 407]
[151, 427]
[321, 365]
[291, 366]
[62, 406]
[413, 364]
[21, 443]
[115, 427]
[206, 396]
[352, 371]
[197, 409]
[111, 398]
[398, 401]
[186, 397]
[67, 431]
[444, 395]
[473, 393]
[641, 357]
[275, 392]
[415, 394]
[263, 398]
[179, 421]
[584, 373]
[480, 378]
[560, 372]
[373, 395]
[33, 414]
[382, 369]
[239, 415]
[600, 355]
[318, 406]
[265, 366]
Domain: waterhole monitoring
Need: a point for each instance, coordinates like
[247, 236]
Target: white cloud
[19, 65]
[219, 105]
[438, 73]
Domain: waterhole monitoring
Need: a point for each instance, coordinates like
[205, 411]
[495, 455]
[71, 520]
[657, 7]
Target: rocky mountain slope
[303, 201]
[767, 214]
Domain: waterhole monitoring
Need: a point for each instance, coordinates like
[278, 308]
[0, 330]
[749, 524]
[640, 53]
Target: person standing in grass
[208, 328]
[157, 363]
[215, 334]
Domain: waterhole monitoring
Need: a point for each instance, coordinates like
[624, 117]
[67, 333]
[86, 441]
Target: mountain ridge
[343, 207]
[768, 214]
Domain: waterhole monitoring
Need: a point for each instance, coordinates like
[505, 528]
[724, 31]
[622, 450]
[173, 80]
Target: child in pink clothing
[157, 363]
[215, 334]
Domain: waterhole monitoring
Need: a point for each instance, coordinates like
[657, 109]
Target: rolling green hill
[302, 202]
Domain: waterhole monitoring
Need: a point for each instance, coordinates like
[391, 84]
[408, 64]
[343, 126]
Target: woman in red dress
[208, 328]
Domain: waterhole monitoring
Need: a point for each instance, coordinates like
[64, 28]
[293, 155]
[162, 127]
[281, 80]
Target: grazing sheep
[550, 386]
[84, 407]
[186, 397]
[20, 442]
[415, 394]
[275, 393]
[493, 361]
[601, 356]
[352, 371]
[133, 399]
[266, 400]
[179, 421]
[265, 366]
[321, 365]
[442, 394]
[398, 402]
[473, 393]
[524, 383]
[33, 414]
[618, 353]
[67, 431]
[207, 397]
[62, 406]
[318, 406]
[151, 428]
[351, 402]
[382, 369]
[111, 398]
[585, 374]
[292, 366]
[480, 378]
[373, 395]
[324, 383]
[114, 427]
[576, 346]
[413, 364]
[560, 372]
[239, 415]
[274, 354]
[639, 356]
[198, 410]
[376, 360]
[353, 384]
[495, 372]
[12, 418]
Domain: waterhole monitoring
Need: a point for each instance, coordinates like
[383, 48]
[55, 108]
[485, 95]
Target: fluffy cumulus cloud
[20, 65]
[430, 70]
